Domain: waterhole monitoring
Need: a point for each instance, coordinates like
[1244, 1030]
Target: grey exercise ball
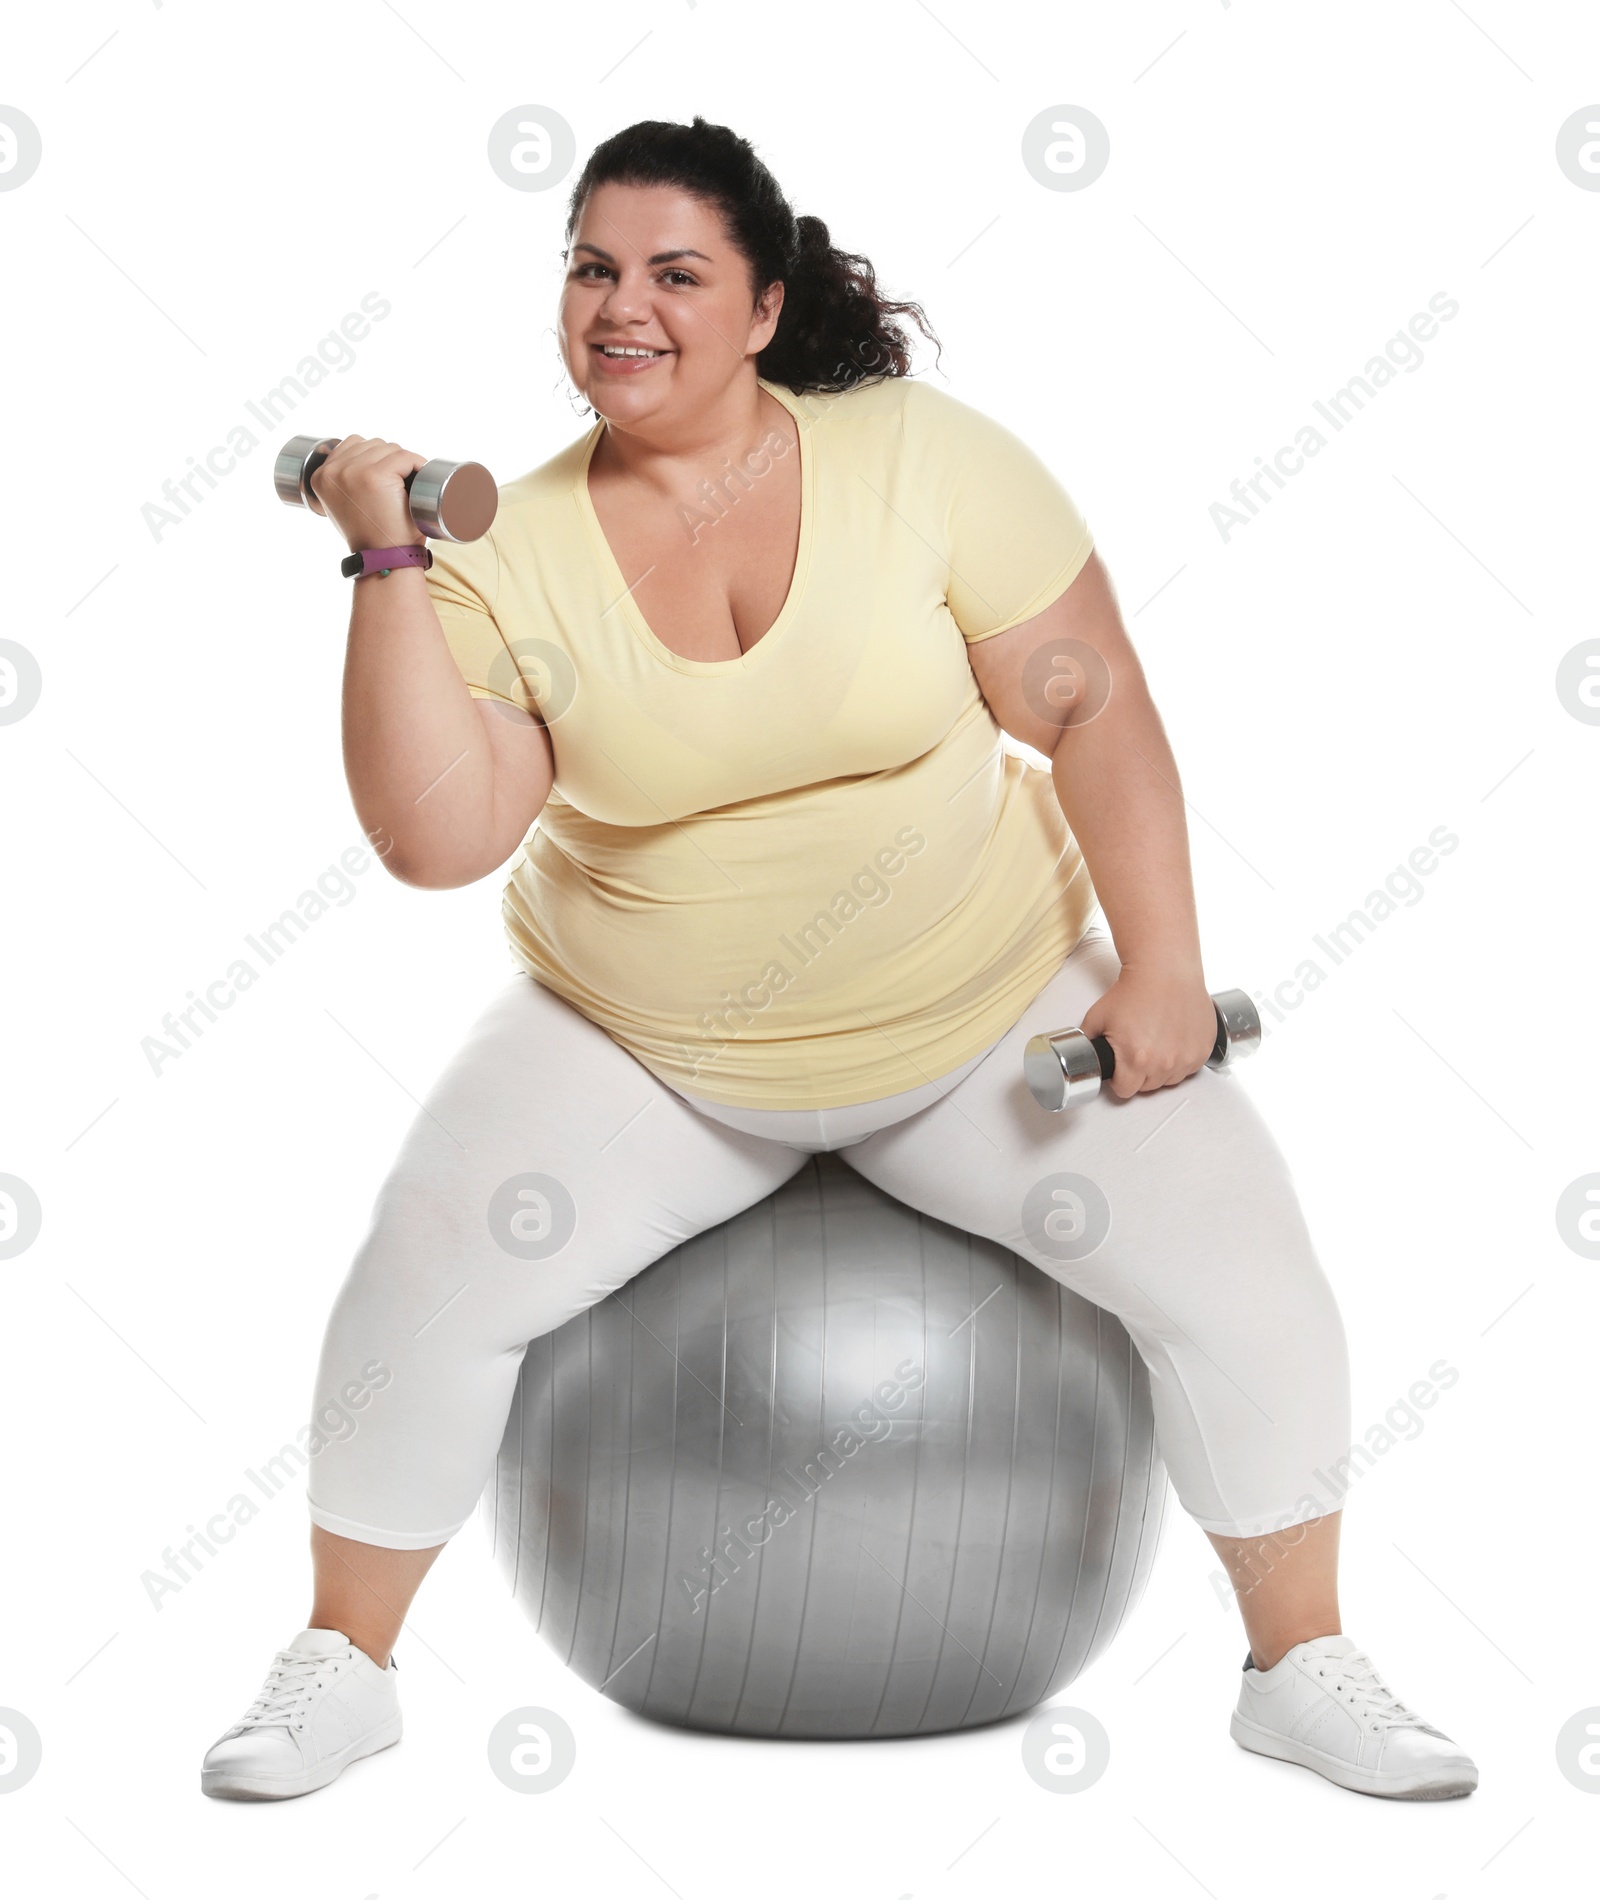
[832, 1469]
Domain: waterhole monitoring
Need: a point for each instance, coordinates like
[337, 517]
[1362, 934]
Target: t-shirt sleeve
[463, 584]
[1011, 537]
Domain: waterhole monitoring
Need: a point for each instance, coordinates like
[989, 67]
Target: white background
[1374, 656]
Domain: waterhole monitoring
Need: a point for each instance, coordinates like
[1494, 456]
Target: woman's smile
[626, 359]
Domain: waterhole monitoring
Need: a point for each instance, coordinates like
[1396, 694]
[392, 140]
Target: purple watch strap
[382, 560]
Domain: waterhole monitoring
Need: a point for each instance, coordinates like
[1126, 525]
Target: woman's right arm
[446, 784]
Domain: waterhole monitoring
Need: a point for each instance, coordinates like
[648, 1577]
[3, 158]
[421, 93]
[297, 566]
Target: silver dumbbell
[1067, 1067]
[449, 501]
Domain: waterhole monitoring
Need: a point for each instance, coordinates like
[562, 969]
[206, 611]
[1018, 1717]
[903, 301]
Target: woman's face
[651, 268]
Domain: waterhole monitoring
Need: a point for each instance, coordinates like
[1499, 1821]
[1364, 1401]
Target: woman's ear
[764, 317]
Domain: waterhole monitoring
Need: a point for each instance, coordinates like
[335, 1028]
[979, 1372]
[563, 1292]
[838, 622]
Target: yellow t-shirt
[811, 875]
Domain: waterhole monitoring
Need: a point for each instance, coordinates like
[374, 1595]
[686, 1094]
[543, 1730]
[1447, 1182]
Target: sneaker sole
[1261, 1741]
[231, 1786]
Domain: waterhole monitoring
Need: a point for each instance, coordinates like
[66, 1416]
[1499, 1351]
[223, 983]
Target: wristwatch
[382, 560]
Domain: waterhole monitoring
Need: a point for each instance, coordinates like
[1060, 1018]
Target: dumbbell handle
[449, 501]
[1067, 1067]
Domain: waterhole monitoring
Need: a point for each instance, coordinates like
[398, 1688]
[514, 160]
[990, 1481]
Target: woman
[756, 633]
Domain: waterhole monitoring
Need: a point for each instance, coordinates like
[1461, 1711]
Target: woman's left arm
[1069, 684]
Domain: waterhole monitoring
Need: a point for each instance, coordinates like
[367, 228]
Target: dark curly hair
[836, 329]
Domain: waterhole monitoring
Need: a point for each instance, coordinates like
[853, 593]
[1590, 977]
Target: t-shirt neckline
[622, 592]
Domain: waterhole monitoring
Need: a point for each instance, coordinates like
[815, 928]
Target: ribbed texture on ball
[973, 1551]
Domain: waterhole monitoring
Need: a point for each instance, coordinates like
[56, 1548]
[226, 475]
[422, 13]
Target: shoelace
[289, 1682]
[1354, 1680]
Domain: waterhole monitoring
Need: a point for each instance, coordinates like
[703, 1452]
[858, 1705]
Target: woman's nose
[627, 300]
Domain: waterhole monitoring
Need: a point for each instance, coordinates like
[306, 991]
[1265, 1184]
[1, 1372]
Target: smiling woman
[821, 321]
[698, 742]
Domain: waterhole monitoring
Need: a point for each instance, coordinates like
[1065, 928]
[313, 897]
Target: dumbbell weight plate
[1238, 1026]
[1061, 1070]
[453, 501]
[298, 460]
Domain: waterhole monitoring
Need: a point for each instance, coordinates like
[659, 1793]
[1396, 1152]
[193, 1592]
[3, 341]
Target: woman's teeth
[609, 349]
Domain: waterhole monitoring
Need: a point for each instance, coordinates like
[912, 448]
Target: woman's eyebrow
[661, 257]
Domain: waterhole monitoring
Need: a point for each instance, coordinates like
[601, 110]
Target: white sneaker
[1324, 1706]
[324, 1704]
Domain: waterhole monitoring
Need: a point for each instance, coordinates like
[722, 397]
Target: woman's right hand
[362, 487]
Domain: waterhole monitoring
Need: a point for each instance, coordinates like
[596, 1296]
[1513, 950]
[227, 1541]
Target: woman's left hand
[1160, 1023]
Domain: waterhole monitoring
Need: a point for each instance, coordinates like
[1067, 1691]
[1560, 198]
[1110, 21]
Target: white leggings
[1207, 1260]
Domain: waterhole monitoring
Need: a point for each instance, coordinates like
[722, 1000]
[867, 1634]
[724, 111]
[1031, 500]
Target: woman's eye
[590, 269]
